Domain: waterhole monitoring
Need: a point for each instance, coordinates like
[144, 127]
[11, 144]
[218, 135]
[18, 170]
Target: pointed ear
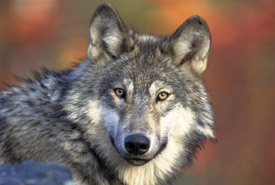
[108, 33]
[191, 44]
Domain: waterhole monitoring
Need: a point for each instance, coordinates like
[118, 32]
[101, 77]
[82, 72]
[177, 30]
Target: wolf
[133, 113]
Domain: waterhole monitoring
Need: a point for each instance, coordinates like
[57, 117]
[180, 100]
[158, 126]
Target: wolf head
[146, 92]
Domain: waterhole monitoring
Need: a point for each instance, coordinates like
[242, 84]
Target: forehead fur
[146, 60]
[143, 70]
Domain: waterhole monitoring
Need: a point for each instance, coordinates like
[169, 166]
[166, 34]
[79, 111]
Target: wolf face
[148, 89]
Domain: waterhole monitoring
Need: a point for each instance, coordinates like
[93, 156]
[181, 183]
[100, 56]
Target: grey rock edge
[31, 172]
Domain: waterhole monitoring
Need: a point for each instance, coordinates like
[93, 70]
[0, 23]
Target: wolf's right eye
[162, 96]
[119, 92]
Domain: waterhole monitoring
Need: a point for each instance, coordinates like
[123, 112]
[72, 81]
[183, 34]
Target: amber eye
[162, 96]
[119, 92]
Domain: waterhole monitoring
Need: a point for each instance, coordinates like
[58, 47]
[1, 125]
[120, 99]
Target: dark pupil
[163, 95]
[119, 91]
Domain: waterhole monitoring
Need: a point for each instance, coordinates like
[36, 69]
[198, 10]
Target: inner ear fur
[108, 33]
[191, 44]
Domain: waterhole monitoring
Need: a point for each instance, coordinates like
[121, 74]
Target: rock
[34, 173]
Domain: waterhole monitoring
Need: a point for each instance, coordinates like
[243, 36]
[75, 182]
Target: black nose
[137, 144]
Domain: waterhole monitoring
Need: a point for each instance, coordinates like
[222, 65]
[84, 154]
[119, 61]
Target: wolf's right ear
[108, 33]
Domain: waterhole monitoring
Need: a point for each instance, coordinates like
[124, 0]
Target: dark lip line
[163, 146]
[137, 159]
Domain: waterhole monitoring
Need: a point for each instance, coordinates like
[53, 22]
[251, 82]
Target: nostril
[137, 144]
[143, 146]
[130, 146]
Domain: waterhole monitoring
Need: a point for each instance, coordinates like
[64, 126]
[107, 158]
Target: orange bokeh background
[240, 76]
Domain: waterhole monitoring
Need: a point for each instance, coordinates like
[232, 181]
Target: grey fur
[75, 118]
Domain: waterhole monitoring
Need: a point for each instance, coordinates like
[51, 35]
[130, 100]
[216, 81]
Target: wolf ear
[107, 33]
[191, 44]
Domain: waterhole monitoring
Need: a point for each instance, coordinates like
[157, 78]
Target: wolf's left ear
[107, 33]
[191, 44]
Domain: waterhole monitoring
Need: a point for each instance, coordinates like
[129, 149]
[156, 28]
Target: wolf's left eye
[162, 96]
[119, 92]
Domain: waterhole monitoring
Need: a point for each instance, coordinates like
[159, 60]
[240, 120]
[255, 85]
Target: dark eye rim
[168, 94]
[123, 93]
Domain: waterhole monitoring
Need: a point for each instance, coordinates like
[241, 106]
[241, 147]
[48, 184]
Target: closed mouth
[139, 161]
[136, 161]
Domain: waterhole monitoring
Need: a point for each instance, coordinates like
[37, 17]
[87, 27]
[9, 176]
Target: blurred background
[240, 76]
